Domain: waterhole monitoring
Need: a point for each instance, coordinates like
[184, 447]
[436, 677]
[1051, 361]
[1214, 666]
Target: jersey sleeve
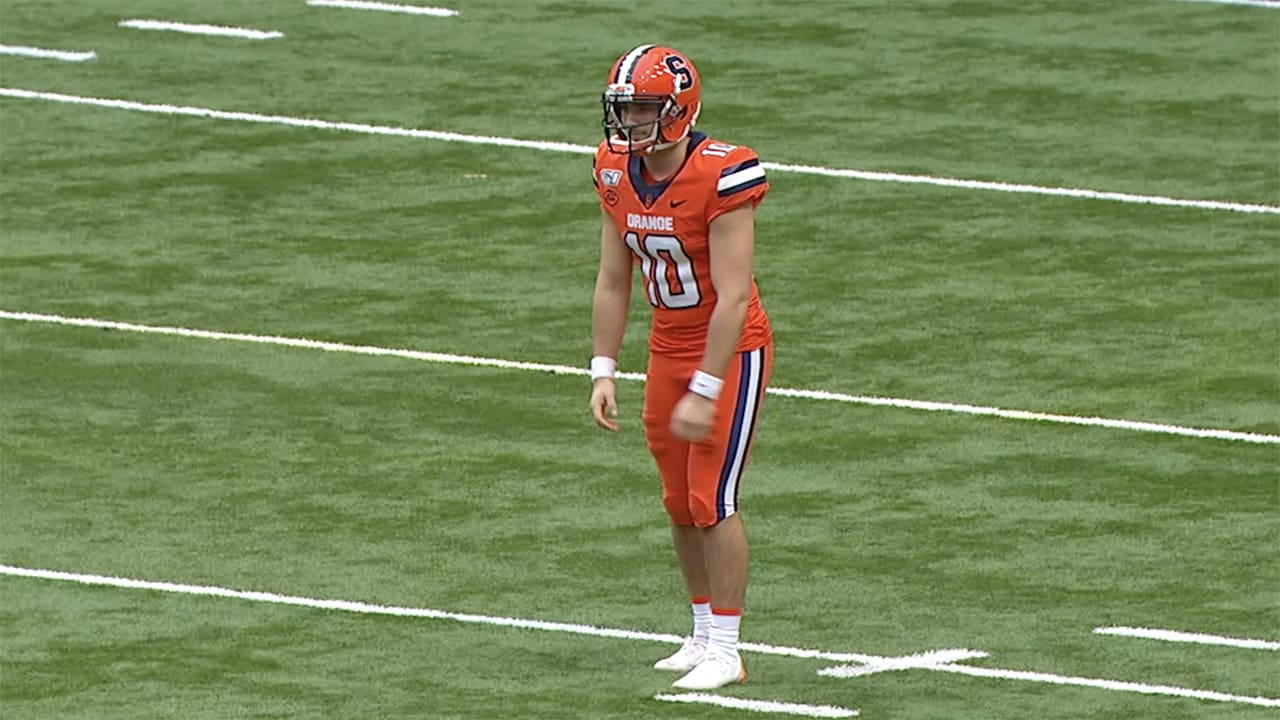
[741, 181]
[602, 192]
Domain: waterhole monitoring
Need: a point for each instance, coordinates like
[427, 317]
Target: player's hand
[693, 417]
[604, 404]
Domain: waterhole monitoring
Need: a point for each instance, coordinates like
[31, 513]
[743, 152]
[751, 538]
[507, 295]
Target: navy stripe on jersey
[740, 166]
[744, 186]
[648, 192]
[739, 177]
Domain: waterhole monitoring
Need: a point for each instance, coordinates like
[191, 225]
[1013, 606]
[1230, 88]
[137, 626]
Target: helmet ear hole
[669, 131]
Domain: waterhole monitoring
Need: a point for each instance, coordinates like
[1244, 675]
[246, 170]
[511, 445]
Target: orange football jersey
[666, 225]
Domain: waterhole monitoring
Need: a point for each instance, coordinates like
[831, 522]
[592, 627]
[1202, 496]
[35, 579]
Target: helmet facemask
[641, 137]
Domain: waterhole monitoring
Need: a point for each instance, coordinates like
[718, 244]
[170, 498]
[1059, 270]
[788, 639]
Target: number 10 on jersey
[668, 271]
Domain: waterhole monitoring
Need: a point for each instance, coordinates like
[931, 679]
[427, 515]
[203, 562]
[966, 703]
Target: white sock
[724, 632]
[701, 618]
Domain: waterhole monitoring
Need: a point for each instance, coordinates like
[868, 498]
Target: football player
[681, 206]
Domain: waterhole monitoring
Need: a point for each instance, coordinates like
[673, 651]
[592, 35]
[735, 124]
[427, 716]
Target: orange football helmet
[658, 76]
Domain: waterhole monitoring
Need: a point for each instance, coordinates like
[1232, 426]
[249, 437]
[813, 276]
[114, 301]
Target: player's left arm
[732, 244]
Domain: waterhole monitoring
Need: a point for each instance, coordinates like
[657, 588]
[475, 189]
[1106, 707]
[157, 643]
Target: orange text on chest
[650, 222]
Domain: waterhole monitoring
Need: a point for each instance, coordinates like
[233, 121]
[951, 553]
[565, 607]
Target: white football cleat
[713, 672]
[684, 659]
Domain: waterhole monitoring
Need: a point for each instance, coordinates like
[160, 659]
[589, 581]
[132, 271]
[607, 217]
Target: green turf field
[427, 483]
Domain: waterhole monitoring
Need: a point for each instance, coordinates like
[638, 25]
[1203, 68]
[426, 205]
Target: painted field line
[872, 664]
[1029, 189]
[591, 630]
[385, 7]
[1117, 424]
[764, 706]
[1273, 4]
[297, 122]
[822, 395]
[34, 52]
[428, 613]
[1186, 637]
[1117, 685]
[919, 661]
[587, 150]
[201, 29]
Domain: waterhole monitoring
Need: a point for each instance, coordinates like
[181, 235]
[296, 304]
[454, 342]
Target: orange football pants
[700, 480]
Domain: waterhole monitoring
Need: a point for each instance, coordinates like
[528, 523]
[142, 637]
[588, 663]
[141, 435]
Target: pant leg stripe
[744, 415]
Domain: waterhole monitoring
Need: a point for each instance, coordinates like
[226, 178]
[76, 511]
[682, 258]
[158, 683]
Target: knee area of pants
[681, 517]
[704, 513]
[703, 522]
[678, 511]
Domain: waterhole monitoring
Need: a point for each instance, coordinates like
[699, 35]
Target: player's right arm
[609, 318]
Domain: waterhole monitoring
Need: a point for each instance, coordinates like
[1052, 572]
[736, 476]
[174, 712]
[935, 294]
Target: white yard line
[586, 150]
[764, 706]
[1186, 637]
[1104, 684]
[197, 29]
[1272, 4]
[1205, 433]
[35, 52]
[872, 663]
[428, 613]
[384, 7]
[1028, 189]
[591, 630]
[919, 661]
[1117, 424]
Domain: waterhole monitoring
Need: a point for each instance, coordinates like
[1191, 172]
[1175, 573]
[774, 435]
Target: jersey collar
[649, 192]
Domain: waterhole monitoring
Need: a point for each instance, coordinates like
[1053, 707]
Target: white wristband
[706, 385]
[603, 367]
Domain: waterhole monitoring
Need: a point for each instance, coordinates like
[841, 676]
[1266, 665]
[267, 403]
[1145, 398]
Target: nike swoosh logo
[678, 203]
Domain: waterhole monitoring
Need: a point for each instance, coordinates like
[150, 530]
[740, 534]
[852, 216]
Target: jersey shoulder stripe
[740, 177]
[731, 169]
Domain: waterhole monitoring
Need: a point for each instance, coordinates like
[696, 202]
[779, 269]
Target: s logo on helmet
[680, 68]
